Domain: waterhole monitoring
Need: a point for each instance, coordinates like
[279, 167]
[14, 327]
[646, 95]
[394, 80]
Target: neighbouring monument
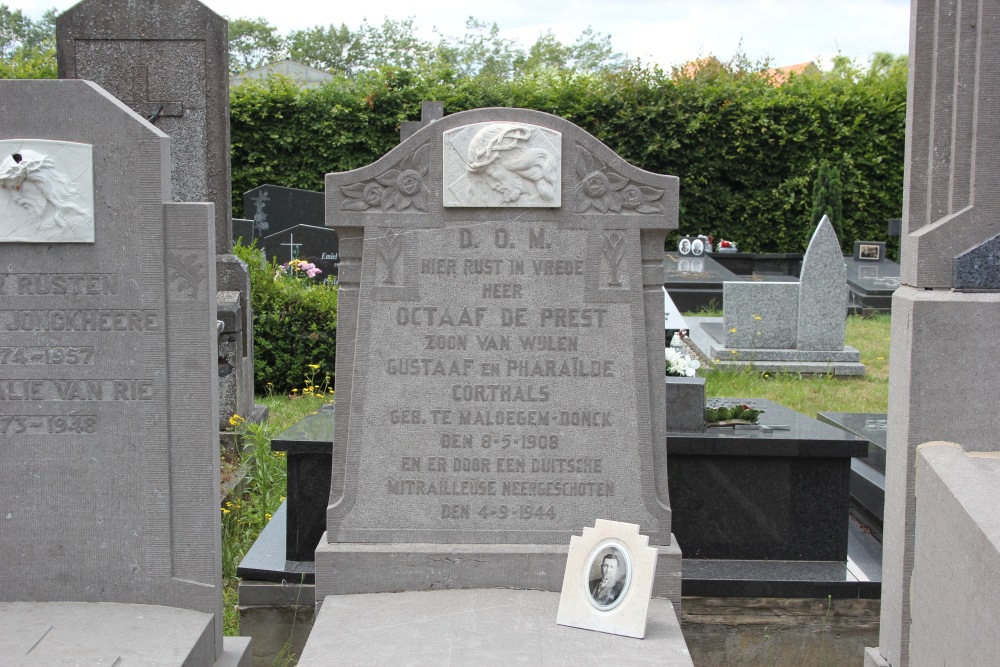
[500, 357]
[168, 60]
[109, 474]
[935, 499]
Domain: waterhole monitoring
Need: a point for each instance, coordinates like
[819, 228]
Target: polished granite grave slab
[778, 492]
[868, 473]
[859, 576]
[309, 446]
[695, 283]
[478, 627]
[871, 285]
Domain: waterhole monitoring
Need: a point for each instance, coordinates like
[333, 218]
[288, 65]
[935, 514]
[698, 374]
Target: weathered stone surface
[168, 60]
[822, 312]
[950, 200]
[956, 555]
[760, 315]
[979, 268]
[951, 203]
[478, 627]
[109, 478]
[542, 331]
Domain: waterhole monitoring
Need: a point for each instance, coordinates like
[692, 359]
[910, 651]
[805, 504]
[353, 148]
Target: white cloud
[665, 31]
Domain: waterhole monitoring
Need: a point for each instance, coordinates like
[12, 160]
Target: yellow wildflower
[733, 330]
[315, 367]
[224, 510]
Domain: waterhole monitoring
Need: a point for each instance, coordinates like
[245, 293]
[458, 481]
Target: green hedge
[294, 325]
[746, 151]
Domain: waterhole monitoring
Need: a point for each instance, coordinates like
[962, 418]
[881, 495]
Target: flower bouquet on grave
[725, 246]
[679, 364]
[297, 269]
[732, 415]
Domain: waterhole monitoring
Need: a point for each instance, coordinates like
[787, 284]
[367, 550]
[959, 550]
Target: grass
[245, 514]
[810, 394]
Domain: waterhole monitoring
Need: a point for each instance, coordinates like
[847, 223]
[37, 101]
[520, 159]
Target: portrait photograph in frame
[608, 581]
[684, 246]
[869, 251]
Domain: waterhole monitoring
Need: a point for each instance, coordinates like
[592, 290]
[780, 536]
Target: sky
[665, 32]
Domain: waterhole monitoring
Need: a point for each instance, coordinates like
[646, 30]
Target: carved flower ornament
[396, 189]
[604, 190]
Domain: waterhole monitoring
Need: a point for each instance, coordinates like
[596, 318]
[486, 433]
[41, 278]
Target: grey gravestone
[795, 327]
[822, 313]
[429, 112]
[950, 204]
[168, 60]
[110, 468]
[274, 209]
[500, 371]
[760, 315]
[313, 244]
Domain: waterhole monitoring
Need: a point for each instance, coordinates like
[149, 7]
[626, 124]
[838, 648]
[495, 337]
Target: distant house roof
[305, 76]
[776, 75]
[780, 75]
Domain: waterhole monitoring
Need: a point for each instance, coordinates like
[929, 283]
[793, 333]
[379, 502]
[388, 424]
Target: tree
[392, 44]
[827, 195]
[331, 48]
[480, 52]
[27, 48]
[254, 43]
[592, 52]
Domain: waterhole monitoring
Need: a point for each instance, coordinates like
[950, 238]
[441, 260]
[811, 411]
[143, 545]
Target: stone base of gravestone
[346, 568]
[106, 633]
[488, 627]
[685, 404]
[707, 336]
[954, 587]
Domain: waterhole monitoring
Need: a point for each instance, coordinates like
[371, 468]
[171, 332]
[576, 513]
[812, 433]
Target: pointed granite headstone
[822, 292]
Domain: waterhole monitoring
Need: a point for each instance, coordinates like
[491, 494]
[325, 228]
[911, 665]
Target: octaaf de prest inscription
[504, 388]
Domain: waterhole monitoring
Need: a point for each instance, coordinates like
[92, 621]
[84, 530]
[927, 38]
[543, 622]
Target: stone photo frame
[684, 245]
[869, 251]
[46, 191]
[619, 607]
[698, 247]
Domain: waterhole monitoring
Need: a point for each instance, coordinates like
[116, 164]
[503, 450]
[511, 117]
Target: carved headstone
[110, 467]
[168, 60]
[274, 209]
[500, 357]
[822, 312]
[950, 205]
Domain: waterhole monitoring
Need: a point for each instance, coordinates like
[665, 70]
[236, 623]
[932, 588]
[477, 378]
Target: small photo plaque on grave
[869, 251]
[609, 580]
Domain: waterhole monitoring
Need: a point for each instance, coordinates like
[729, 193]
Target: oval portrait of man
[609, 574]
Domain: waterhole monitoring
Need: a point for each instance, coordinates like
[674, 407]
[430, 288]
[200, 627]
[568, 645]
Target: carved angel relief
[46, 191]
[394, 190]
[604, 190]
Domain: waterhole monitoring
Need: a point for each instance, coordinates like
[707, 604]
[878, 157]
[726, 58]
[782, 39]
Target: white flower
[679, 364]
